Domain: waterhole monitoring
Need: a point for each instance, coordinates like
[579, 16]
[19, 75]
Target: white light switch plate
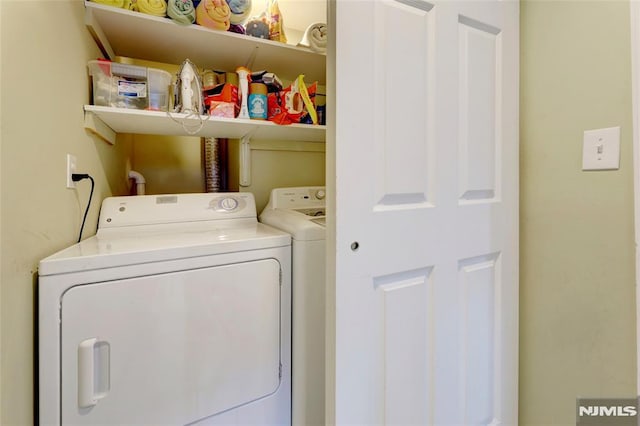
[601, 149]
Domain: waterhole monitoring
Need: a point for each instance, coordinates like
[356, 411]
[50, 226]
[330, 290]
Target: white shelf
[121, 32]
[134, 121]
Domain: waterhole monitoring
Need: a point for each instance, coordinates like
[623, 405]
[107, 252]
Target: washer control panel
[308, 197]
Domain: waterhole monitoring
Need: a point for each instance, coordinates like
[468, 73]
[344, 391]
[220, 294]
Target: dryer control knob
[320, 194]
[228, 204]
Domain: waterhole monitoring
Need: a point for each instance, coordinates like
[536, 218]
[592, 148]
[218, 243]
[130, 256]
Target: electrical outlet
[71, 169]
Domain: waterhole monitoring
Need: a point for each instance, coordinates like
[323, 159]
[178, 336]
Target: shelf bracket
[98, 35]
[96, 126]
[245, 160]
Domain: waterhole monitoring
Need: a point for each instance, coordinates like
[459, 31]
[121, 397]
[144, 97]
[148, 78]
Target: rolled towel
[181, 11]
[315, 37]
[214, 14]
[151, 7]
[240, 10]
[123, 4]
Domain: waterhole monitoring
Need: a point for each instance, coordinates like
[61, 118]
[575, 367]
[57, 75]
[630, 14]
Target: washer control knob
[320, 194]
[228, 204]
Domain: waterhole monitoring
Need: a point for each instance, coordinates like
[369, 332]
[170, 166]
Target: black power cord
[78, 177]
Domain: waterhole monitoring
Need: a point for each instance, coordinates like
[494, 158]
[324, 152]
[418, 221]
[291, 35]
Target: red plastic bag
[295, 104]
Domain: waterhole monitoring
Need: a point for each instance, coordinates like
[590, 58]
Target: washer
[176, 312]
[301, 212]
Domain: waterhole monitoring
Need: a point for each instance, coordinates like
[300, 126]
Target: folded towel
[240, 10]
[123, 4]
[214, 14]
[151, 7]
[315, 37]
[181, 11]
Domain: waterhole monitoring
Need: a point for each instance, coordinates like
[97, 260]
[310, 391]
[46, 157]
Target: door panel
[400, 103]
[407, 314]
[479, 288]
[479, 87]
[171, 348]
[426, 227]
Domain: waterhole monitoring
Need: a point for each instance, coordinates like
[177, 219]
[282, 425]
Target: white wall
[45, 47]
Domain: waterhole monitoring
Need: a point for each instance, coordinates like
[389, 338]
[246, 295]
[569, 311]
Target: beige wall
[173, 165]
[279, 165]
[577, 299]
[45, 49]
[169, 164]
[1, 356]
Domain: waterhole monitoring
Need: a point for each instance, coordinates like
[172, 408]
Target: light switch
[601, 149]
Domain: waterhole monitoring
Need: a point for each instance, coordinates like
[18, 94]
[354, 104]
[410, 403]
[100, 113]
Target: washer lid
[156, 243]
[298, 224]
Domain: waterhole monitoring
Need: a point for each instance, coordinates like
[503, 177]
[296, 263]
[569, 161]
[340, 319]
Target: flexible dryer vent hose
[214, 165]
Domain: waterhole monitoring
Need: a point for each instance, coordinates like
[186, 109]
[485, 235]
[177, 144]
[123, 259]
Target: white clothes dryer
[301, 212]
[176, 312]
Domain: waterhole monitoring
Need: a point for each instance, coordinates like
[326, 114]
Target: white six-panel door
[426, 208]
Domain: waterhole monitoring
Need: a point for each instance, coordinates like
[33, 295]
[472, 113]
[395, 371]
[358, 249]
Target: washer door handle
[93, 372]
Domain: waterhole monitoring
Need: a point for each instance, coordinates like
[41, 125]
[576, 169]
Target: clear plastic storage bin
[129, 86]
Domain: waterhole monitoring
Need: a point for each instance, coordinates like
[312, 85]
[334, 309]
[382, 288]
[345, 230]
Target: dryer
[301, 212]
[176, 312]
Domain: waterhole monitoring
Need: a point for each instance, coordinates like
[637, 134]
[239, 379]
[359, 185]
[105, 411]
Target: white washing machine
[301, 213]
[177, 312]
